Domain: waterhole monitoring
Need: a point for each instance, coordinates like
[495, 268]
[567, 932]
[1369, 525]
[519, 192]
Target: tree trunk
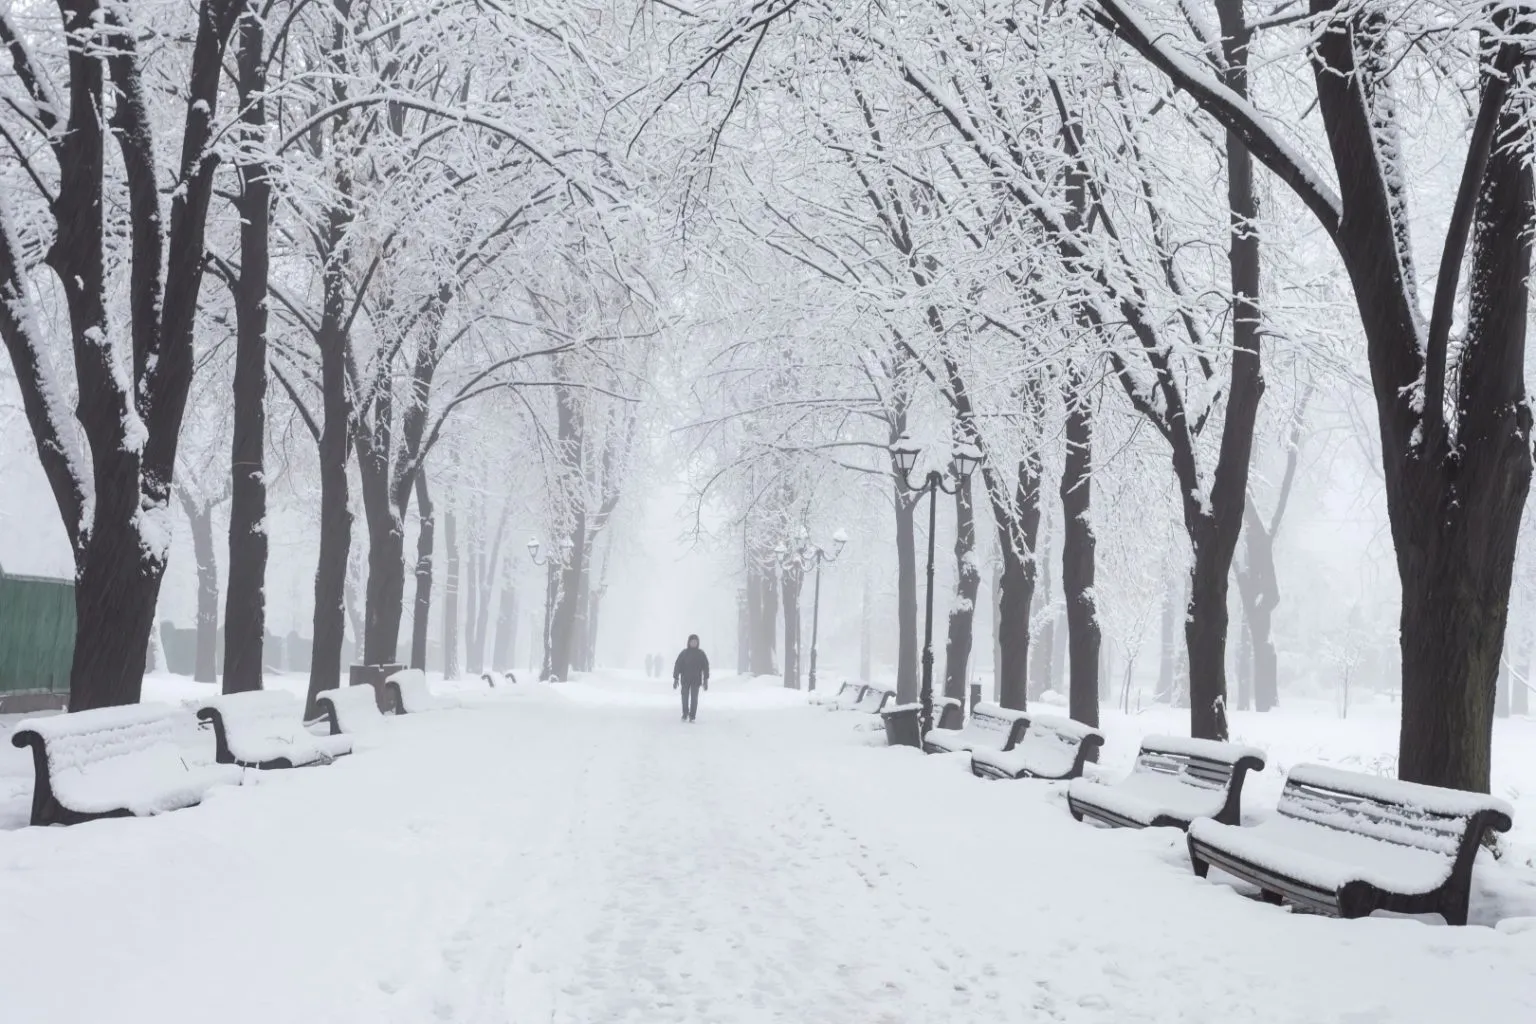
[200, 517]
[245, 605]
[335, 513]
[1168, 654]
[1078, 554]
[866, 631]
[764, 628]
[567, 600]
[962, 617]
[451, 597]
[1045, 638]
[504, 652]
[1245, 665]
[474, 654]
[790, 590]
[551, 590]
[744, 631]
[421, 616]
[384, 602]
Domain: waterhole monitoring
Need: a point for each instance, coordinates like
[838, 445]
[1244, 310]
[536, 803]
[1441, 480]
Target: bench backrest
[255, 717]
[355, 707]
[1204, 764]
[872, 699]
[83, 740]
[948, 713]
[992, 725]
[1449, 822]
[488, 678]
[1056, 738]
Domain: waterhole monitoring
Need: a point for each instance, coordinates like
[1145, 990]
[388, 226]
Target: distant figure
[689, 673]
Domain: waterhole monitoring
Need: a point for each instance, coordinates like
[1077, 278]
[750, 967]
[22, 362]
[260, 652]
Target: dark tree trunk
[335, 442]
[962, 617]
[385, 598]
[1018, 535]
[245, 605]
[1078, 555]
[451, 597]
[421, 616]
[200, 518]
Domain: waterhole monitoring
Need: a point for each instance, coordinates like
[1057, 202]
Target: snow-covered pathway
[582, 857]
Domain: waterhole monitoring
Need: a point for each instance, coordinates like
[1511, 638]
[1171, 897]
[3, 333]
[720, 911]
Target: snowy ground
[578, 855]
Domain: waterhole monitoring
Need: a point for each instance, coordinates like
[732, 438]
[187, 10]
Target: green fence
[37, 634]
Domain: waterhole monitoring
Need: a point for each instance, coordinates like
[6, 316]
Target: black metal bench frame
[1360, 898]
[223, 755]
[1231, 811]
[46, 808]
[1087, 749]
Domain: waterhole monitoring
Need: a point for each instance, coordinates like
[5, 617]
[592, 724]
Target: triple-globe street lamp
[965, 458]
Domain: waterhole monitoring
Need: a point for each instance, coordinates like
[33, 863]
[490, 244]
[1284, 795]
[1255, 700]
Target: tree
[1454, 421]
[110, 465]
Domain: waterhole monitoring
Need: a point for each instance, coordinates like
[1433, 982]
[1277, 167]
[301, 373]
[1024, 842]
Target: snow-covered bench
[409, 694]
[1346, 843]
[1174, 781]
[349, 709]
[1052, 748]
[848, 698]
[117, 762]
[265, 729]
[872, 700]
[989, 726]
[490, 679]
[848, 691]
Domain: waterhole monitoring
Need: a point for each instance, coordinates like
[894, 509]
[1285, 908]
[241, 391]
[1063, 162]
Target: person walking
[689, 673]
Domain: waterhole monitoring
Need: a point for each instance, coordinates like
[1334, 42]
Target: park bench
[872, 700]
[265, 729]
[847, 691]
[349, 709]
[493, 679]
[1347, 844]
[1051, 748]
[117, 762]
[409, 694]
[989, 726]
[847, 698]
[1173, 782]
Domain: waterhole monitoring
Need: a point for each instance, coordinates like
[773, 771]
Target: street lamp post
[549, 597]
[966, 459]
[819, 554]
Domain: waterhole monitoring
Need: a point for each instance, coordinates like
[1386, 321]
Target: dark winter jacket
[692, 667]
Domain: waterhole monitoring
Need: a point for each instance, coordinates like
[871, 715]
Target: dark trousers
[690, 692]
